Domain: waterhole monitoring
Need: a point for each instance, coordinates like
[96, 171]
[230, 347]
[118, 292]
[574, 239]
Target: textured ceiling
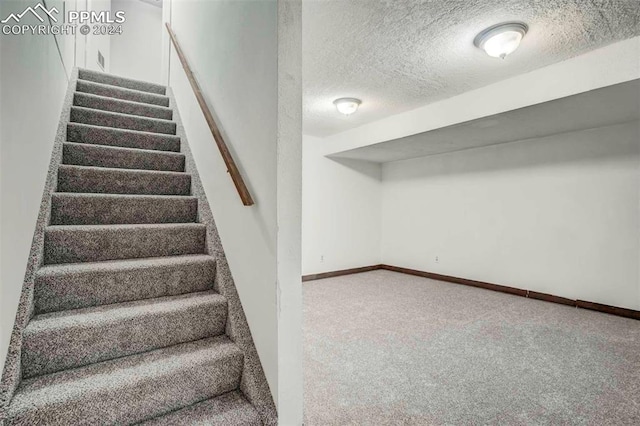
[397, 55]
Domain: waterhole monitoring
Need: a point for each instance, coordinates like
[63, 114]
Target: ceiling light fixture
[502, 39]
[347, 106]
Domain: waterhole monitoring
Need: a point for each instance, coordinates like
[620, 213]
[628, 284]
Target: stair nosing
[77, 123]
[125, 226]
[131, 92]
[141, 171]
[120, 77]
[111, 195]
[55, 268]
[125, 148]
[124, 101]
[120, 114]
[57, 319]
[246, 404]
[220, 340]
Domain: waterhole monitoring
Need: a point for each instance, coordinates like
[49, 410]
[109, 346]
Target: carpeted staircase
[126, 325]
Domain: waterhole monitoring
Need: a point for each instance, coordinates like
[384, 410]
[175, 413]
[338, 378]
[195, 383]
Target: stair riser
[121, 138]
[50, 350]
[78, 289]
[120, 93]
[121, 121]
[73, 209]
[123, 107]
[121, 82]
[198, 378]
[230, 409]
[114, 181]
[100, 156]
[92, 245]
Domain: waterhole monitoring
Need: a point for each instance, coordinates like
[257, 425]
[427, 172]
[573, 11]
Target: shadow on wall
[581, 147]
[367, 168]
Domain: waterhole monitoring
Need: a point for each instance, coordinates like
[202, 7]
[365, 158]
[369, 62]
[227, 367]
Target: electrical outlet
[437, 259]
[321, 258]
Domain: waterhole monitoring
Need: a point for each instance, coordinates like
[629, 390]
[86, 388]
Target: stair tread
[67, 339]
[111, 180]
[67, 286]
[120, 81]
[121, 121]
[112, 136]
[127, 149]
[115, 169]
[122, 196]
[116, 312]
[124, 226]
[120, 180]
[81, 154]
[82, 208]
[229, 409]
[121, 101]
[118, 92]
[89, 243]
[120, 264]
[122, 106]
[96, 390]
[119, 114]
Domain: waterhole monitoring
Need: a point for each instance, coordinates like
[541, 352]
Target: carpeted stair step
[100, 89]
[81, 285]
[69, 208]
[130, 389]
[123, 158]
[122, 181]
[92, 243]
[99, 135]
[230, 409]
[69, 339]
[121, 121]
[113, 80]
[104, 103]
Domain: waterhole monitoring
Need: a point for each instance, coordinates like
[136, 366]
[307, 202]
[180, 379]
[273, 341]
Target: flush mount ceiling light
[502, 39]
[347, 106]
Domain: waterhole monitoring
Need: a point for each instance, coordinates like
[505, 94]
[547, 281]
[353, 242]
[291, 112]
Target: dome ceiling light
[347, 106]
[502, 39]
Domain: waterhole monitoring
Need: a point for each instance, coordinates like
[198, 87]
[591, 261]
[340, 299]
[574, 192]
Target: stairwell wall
[33, 83]
[137, 52]
[232, 48]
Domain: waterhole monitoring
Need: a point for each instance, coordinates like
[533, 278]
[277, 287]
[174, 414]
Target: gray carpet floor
[382, 348]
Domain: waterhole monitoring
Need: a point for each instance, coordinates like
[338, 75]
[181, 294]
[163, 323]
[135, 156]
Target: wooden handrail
[232, 169]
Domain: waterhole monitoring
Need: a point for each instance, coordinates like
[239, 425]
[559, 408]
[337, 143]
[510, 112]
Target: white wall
[33, 84]
[340, 210]
[289, 183]
[232, 49]
[137, 52]
[97, 42]
[558, 215]
[247, 58]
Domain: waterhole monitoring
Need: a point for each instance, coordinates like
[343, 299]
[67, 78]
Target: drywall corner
[341, 214]
[289, 184]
